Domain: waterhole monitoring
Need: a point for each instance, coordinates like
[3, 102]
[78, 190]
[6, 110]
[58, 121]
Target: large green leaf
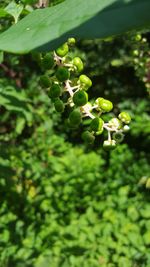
[45, 29]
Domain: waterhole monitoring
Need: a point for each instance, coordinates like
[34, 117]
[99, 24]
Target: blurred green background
[63, 204]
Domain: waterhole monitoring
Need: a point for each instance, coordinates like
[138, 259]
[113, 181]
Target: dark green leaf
[45, 29]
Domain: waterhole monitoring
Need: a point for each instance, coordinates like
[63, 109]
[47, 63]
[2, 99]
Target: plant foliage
[47, 28]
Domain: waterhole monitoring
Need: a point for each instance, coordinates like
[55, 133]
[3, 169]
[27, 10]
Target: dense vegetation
[64, 203]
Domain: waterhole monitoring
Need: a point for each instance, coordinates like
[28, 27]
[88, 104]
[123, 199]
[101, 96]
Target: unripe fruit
[88, 137]
[62, 74]
[135, 52]
[75, 118]
[48, 61]
[148, 183]
[99, 132]
[77, 62]
[109, 144]
[62, 50]
[55, 91]
[138, 37]
[124, 117]
[104, 104]
[45, 81]
[85, 81]
[36, 56]
[71, 41]
[97, 125]
[59, 105]
[116, 123]
[80, 98]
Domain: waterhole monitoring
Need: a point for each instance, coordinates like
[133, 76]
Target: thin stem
[69, 88]
[109, 136]
[57, 59]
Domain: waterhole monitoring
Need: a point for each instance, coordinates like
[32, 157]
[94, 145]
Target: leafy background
[61, 203]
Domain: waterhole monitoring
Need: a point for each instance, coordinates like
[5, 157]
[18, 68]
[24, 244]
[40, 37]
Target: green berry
[36, 56]
[88, 137]
[135, 52]
[71, 41]
[124, 117]
[99, 132]
[62, 74]
[48, 61]
[75, 118]
[116, 123]
[80, 98]
[109, 144]
[77, 62]
[59, 105]
[55, 91]
[97, 125]
[104, 104]
[45, 81]
[85, 81]
[62, 50]
[138, 37]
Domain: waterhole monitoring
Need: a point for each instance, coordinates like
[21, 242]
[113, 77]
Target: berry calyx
[55, 91]
[104, 105]
[62, 50]
[97, 125]
[124, 117]
[88, 137]
[75, 118]
[80, 98]
[109, 144]
[45, 81]
[77, 62]
[62, 74]
[59, 105]
[118, 137]
[48, 61]
[85, 81]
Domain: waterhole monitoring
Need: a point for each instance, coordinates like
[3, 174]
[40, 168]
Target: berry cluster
[141, 59]
[66, 86]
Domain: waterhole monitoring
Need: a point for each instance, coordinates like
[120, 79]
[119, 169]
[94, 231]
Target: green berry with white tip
[80, 98]
[55, 91]
[115, 123]
[45, 81]
[97, 125]
[62, 50]
[109, 144]
[88, 137]
[75, 118]
[85, 81]
[126, 128]
[59, 105]
[77, 62]
[124, 117]
[62, 74]
[104, 105]
[48, 61]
